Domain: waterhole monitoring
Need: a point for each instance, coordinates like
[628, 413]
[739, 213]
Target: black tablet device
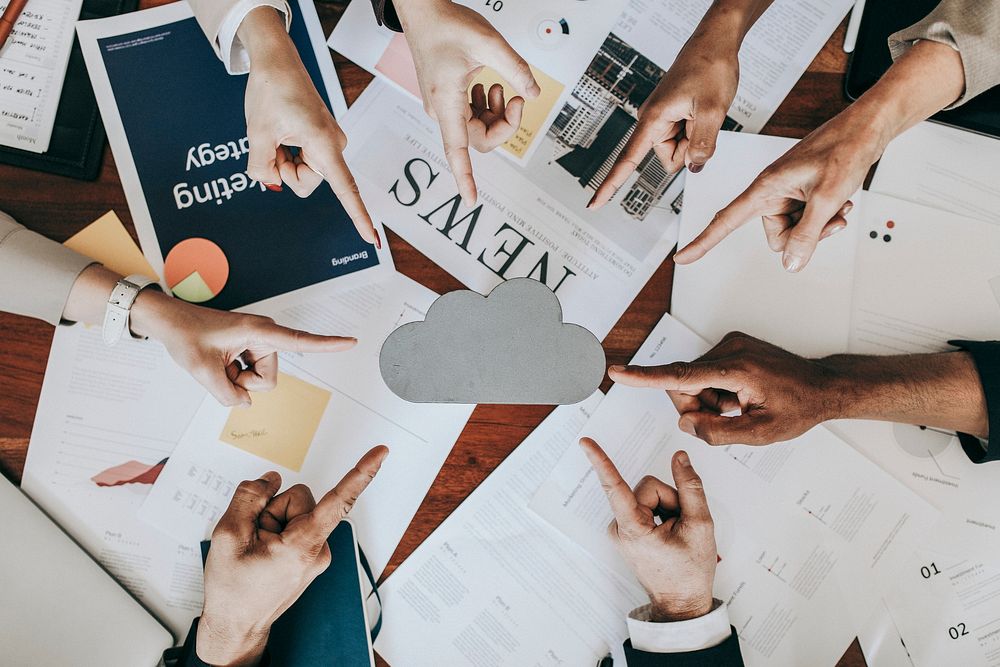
[871, 59]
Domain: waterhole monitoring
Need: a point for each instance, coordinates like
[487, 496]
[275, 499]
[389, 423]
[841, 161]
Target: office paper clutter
[508, 347]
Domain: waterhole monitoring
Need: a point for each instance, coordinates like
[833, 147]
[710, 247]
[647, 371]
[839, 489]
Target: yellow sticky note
[535, 111]
[107, 241]
[281, 424]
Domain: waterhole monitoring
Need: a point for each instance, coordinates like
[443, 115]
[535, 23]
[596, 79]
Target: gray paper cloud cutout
[509, 347]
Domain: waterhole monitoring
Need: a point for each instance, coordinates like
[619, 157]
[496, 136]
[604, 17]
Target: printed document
[943, 167]
[797, 523]
[495, 584]
[313, 432]
[176, 124]
[32, 69]
[101, 408]
[516, 229]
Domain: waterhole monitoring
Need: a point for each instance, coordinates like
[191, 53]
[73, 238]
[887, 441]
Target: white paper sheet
[515, 230]
[901, 305]
[32, 69]
[740, 284]
[943, 167]
[99, 408]
[494, 584]
[798, 521]
[946, 611]
[197, 483]
[880, 641]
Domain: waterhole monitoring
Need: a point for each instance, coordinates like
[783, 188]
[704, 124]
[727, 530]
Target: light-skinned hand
[450, 44]
[664, 534]
[284, 110]
[230, 354]
[266, 549]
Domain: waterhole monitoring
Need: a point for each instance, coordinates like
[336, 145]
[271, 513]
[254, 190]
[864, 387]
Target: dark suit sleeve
[385, 14]
[726, 654]
[986, 356]
[185, 656]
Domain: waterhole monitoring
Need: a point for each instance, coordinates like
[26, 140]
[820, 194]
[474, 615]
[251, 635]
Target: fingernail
[846, 208]
[378, 240]
[269, 476]
[273, 187]
[590, 204]
[834, 230]
[695, 168]
[617, 369]
[687, 427]
[683, 459]
[245, 404]
[535, 90]
[791, 263]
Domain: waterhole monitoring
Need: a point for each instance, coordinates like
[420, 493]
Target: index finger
[335, 505]
[624, 504]
[740, 211]
[294, 340]
[453, 121]
[338, 175]
[640, 143]
[688, 377]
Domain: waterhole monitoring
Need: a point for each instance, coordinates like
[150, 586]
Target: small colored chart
[196, 270]
[551, 32]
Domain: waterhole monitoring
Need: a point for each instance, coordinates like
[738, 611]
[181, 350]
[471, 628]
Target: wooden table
[59, 207]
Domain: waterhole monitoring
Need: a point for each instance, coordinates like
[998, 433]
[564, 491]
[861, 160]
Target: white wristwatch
[120, 304]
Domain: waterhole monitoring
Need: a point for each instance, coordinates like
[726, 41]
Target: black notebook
[77, 142]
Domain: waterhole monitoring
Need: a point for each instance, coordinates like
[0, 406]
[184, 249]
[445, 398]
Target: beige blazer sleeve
[36, 273]
[220, 20]
[971, 27]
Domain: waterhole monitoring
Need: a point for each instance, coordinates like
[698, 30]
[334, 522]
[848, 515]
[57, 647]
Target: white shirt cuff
[679, 636]
[228, 45]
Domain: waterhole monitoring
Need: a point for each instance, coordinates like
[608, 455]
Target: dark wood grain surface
[59, 207]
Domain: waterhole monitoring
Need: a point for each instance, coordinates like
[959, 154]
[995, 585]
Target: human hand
[803, 197]
[450, 44]
[674, 560]
[266, 549]
[779, 395]
[230, 354]
[681, 120]
[283, 109]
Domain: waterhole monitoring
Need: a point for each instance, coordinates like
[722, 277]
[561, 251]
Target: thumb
[294, 340]
[262, 163]
[804, 236]
[718, 430]
[512, 67]
[690, 491]
[250, 499]
[703, 132]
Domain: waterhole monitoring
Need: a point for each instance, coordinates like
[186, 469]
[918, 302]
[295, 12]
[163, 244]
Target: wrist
[262, 32]
[223, 643]
[151, 312]
[663, 609]
[410, 11]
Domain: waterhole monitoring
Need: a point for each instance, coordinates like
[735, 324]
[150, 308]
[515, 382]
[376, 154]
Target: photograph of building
[598, 119]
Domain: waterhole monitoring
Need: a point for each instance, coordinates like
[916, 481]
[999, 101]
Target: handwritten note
[281, 424]
[32, 69]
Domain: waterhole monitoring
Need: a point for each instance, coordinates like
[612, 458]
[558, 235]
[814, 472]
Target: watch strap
[116, 317]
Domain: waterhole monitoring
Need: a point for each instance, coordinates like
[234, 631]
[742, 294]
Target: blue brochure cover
[226, 241]
[326, 625]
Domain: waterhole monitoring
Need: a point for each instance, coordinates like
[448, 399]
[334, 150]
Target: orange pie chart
[196, 270]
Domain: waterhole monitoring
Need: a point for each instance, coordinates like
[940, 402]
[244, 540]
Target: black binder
[77, 142]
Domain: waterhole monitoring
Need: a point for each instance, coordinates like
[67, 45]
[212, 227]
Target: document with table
[32, 69]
